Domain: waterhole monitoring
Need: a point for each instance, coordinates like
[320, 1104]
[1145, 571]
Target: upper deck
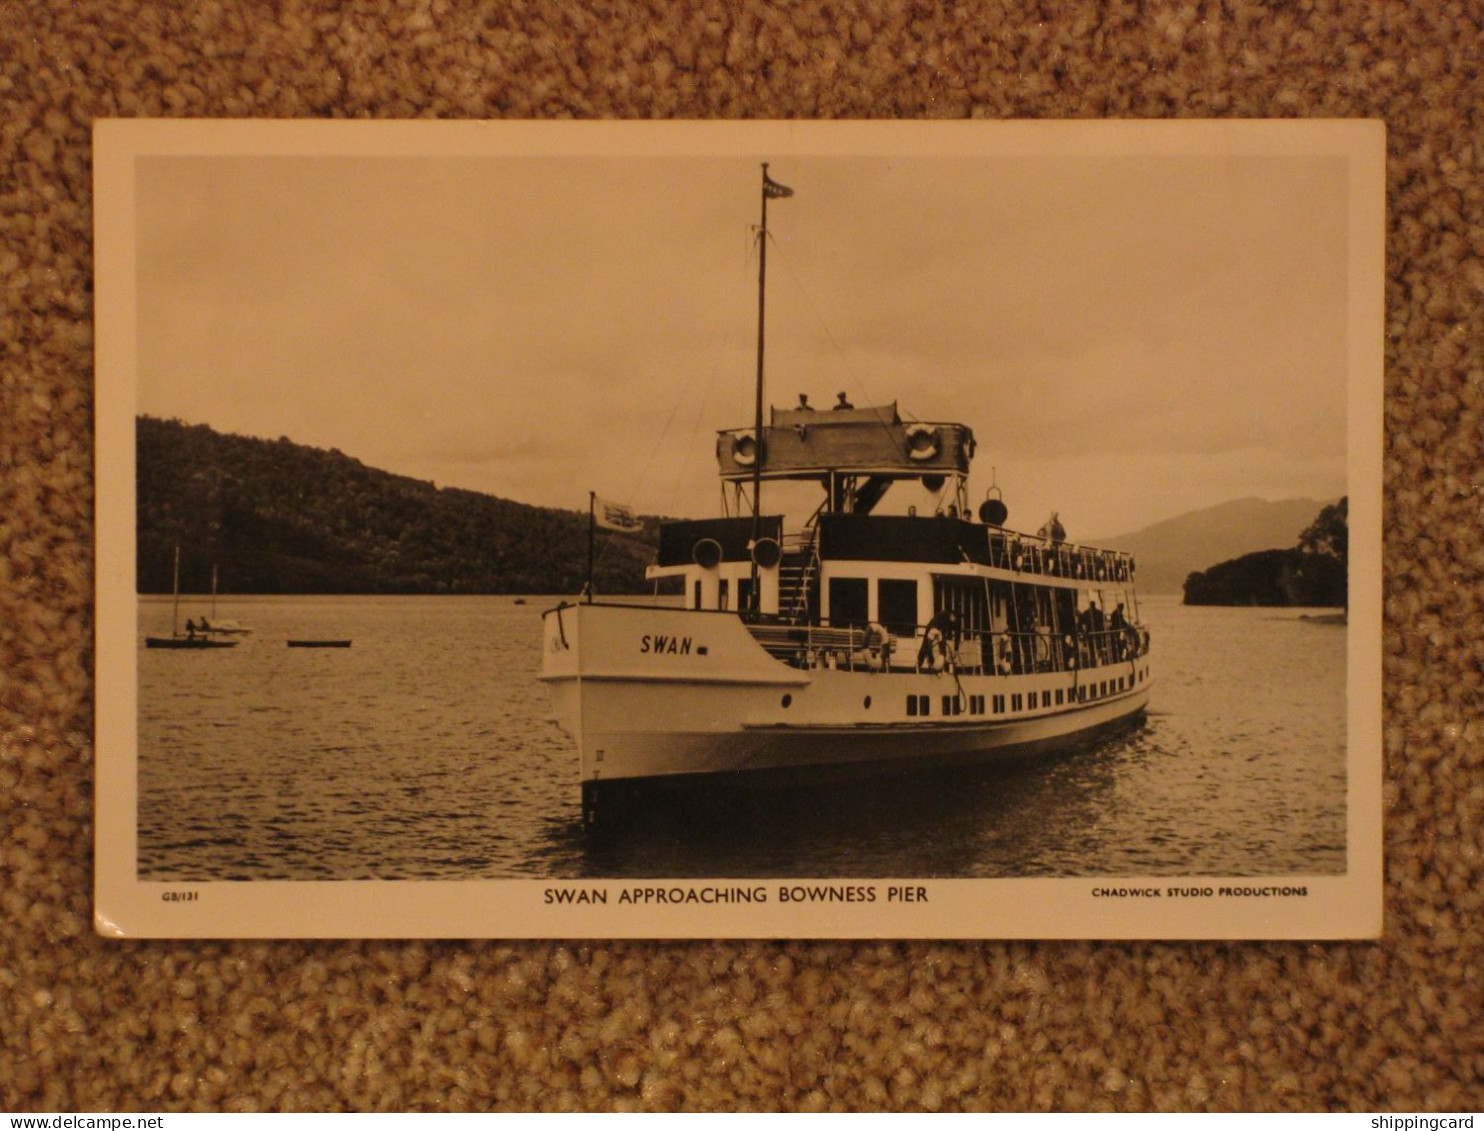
[929, 541]
[805, 443]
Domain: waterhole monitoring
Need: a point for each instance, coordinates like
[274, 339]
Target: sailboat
[215, 627]
[190, 640]
[862, 640]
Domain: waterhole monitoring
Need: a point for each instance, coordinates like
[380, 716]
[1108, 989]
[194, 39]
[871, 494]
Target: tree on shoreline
[1323, 567]
[1313, 573]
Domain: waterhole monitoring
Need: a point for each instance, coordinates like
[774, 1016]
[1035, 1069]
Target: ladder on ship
[797, 572]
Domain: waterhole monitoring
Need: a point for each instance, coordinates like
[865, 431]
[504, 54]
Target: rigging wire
[710, 349]
[823, 325]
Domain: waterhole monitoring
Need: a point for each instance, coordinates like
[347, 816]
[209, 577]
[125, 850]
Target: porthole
[787, 699]
[868, 702]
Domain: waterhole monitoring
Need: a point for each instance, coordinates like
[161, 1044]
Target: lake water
[427, 750]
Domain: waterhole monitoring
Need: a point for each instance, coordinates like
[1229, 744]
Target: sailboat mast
[175, 598]
[757, 417]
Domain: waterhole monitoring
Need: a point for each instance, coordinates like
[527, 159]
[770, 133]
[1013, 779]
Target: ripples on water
[427, 751]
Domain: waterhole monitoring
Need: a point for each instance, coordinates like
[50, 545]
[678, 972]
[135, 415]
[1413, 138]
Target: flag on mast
[616, 516]
[773, 190]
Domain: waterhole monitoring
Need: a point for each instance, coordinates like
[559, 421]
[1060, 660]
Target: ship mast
[770, 188]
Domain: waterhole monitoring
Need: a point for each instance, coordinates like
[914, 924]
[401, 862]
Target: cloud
[538, 327]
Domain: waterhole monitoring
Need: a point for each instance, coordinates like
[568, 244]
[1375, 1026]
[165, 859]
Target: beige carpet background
[87, 1024]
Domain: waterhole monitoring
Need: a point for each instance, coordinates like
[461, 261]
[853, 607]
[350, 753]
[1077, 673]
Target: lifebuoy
[922, 441]
[1042, 649]
[744, 449]
[1002, 661]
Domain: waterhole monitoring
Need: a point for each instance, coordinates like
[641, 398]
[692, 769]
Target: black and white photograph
[739, 529]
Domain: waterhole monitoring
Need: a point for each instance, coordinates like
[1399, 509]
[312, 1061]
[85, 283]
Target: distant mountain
[278, 517]
[1168, 552]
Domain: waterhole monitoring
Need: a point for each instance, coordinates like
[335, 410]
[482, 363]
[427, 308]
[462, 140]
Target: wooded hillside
[1313, 573]
[279, 517]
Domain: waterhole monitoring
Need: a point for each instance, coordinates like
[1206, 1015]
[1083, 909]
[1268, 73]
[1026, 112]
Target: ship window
[912, 704]
[1016, 702]
[696, 597]
[787, 700]
[1059, 699]
[744, 593]
[848, 600]
[896, 606]
[922, 704]
[868, 702]
[1045, 698]
[723, 593]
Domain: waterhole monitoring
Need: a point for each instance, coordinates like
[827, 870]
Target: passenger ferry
[856, 641]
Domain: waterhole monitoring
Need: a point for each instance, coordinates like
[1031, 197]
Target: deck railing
[1036, 554]
[857, 647]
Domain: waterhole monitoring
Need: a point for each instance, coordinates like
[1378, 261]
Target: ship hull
[676, 696]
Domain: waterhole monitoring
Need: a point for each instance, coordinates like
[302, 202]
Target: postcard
[766, 529]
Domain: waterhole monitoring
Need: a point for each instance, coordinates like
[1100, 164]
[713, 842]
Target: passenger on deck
[804, 405]
[1052, 529]
[842, 403]
[1025, 641]
[935, 639]
[1119, 630]
[1095, 627]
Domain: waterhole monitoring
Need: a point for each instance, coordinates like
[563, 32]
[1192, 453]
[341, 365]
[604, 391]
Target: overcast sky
[1130, 336]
